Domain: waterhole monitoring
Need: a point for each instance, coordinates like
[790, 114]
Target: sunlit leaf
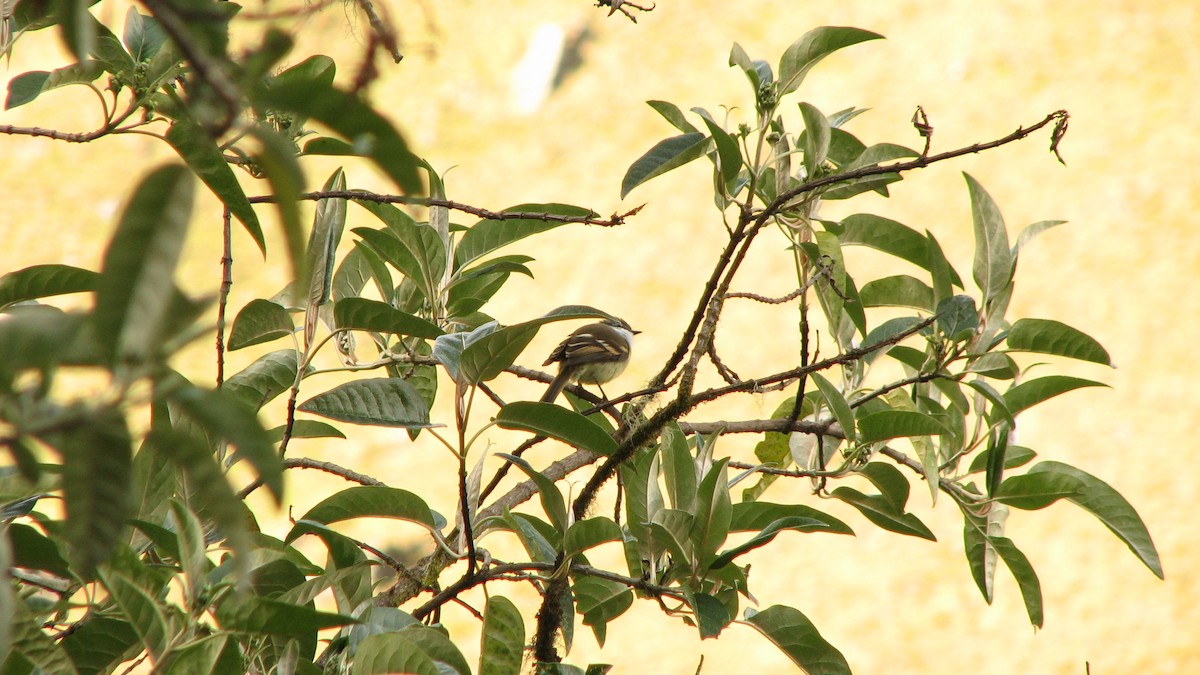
[384, 401]
[373, 315]
[667, 154]
[1044, 336]
[1032, 392]
[799, 640]
[206, 160]
[42, 281]
[369, 501]
[502, 642]
[556, 422]
[259, 321]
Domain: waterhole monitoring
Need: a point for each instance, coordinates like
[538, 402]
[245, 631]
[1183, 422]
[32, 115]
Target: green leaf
[140, 609]
[713, 512]
[212, 654]
[1032, 231]
[246, 613]
[487, 236]
[143, 36]
[41, 281]
[993, 268]
[766, 536]
[674, 115]
[815, 45]
[552, 500]
[957, 317]
[756, 71]
[1022, 571]
[816, 138]
[552, 421]
[1044, 336]
[435, 644]
[882, 512]
[258, 322]
[892, 484]
[267, 377]
[368, 501]
[1032, 392]
[756, 516]
[353, 119]
[383, 401]
[98, 645]
[837, 405]
[667, 154]
[380, 317]
[710, 614]
[413, 248]
[888, 424]
[28, 86]
[1015, 456]
[999, 409]
[277, 161]
[329, 220]
[600, 601]
[192, 554]
[799, 640]
[306, 429]
[33, 550]
[502, 643]
[1034, 491]
[589, 533]
[207, 478]
[484, 359]
[1097, 497]
[97, 486]
[135, 289]
[679, 468]
[206, 160]
[728, 159]
[900, 290]
[391, 653]
[888, 236]
[222, 415]
[77, 26]
[34, 645]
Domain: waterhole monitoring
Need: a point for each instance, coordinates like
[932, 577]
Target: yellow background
[1124, 269]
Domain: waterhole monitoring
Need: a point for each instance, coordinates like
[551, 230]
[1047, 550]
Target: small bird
[593, 354]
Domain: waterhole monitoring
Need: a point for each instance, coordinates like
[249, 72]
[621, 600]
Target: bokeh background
[1124, 269]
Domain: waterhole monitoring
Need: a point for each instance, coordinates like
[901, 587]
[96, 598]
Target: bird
[593, 354]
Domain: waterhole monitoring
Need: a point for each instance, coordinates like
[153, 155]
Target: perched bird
[593, 354]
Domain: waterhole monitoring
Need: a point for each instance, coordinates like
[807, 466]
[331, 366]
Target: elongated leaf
[816, 138]
[600, 601]
[140, 609]
[887, 424]
[755, 516]
[98, 645]
[728, 159]
[1052, 337]
[667, 154]
[502, 643]
[434, 643]
[33, 644]
[384, 653]
[487, 357]
[552, 500]
[713, 512]
[206, 160]
[799, 640]
[369, 501]
[1034, 491]
[679, 468]
[993, 268]
[892, 484]
[354, 120]
[372, 315]
[674, 115]
[415, 249]
[815, 45]
[881, 511]
[143, 36]
[259, 321]
[329, 220]
[487, 236]
[247, 613]
[384, 401]
[1022, 571]
[33, 550]
[981, 554]
[97, 486]
[28, 86]
[212, 654]
[900, 290]
[306, 429]
[837, 405]
[1033, 392]
[1109, 506]
[568, 426]
[766, 536]
[134, 292]
[1031, 232]
[42, 281]
[260, 382]
[589, 533]
[277, 160]
[223, 416]
[888, 236]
